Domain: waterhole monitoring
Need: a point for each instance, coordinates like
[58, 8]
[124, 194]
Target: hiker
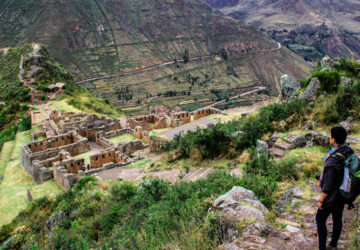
[331, 200]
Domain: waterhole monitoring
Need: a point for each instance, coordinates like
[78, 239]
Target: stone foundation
[200, 113]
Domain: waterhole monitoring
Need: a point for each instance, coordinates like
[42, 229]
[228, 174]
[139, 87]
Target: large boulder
[346, 81]
[287, 198]
[346, 125]
[262, 146]
[322, 140]
[273, 139]
[242, 203]
[310, 92]
[289, 86]
[296, 141]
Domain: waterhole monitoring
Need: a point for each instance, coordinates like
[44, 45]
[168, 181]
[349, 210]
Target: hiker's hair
[339, 134]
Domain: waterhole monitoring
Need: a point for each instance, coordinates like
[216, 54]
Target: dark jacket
[333, 176]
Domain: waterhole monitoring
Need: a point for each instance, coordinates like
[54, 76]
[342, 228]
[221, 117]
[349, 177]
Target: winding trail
[170, 63]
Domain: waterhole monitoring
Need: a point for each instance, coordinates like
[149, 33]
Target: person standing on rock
[331, 201]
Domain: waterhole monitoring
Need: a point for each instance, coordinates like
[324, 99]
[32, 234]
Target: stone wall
[48, 150]
[128, 148]
[156, 144]
[147, 122]
[205, 112]
[93, 124]
[183, 117]
[37, 134]
[65, 179]
[111, 154]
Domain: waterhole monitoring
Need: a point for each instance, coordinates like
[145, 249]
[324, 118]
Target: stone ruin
[38, 158]
[68, 135]
[147, 122]
[180, 118]
[200, 113]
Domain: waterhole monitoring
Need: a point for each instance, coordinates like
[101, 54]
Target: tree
[186, 56]
[224, 54]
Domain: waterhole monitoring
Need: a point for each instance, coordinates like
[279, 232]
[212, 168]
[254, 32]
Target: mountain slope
[98, 37]
[311, 28]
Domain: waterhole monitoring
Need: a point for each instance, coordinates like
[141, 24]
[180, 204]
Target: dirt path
[170, 63]
[298, 228]
[188, 127]
[172, 175]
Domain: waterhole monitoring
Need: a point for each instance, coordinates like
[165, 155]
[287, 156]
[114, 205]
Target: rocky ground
[295, 228]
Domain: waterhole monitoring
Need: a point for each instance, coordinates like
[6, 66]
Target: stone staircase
[290, 142]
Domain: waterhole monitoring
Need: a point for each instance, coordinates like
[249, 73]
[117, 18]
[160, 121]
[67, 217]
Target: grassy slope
[13, 189]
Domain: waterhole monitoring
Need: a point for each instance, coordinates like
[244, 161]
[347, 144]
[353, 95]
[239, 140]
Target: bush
[123, 191]
[329, 81]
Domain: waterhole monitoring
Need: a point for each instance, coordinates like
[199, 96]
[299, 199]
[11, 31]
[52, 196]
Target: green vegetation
[8, 114]
[11, 89]
[219, 139]
[123, 138]
[337, 107]
[83, 100]
[157, 215]
[16, 181]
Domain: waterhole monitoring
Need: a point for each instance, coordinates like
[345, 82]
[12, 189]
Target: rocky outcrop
[296, 141]
[242, 203]
[288, 196]
[262, 146]
[289, 86]
[273, 139]
[346, 124]
[310, 92]
[346, 81]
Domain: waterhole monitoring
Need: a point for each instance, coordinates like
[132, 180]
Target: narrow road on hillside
[169, 63]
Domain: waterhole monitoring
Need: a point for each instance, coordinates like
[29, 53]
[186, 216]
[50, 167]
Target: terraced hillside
[310, 28]
[98, 38]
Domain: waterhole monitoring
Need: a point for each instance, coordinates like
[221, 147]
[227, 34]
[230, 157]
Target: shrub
[311, 169]
[123, 191]
[329, 81]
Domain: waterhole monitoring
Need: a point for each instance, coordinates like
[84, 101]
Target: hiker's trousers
[321, 217]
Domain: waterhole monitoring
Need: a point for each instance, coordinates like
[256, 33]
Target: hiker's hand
[320, 204]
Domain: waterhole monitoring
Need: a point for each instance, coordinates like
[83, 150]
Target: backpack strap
[338, 156]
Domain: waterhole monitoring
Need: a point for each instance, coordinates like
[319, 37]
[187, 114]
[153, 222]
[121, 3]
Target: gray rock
[322, 140]
[346, 125]
[311, 90]
[310, 137]
[346, 81]
[296, 141]
[264, 229]
[227, 228]
[273, 139]
[237, 134]
[327, 63]
[292, 229]
[288, 196]
[1, 178]
[349, 119]
[289, 86]
[262, 146]
[241, 203]
[145, 183]
[54, 220]
[302, 240]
